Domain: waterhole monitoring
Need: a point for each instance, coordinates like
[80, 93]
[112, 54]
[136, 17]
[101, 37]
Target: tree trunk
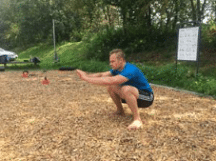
[161, 24]
[198, 11]
[105, 16]
[176, 15]
[123, 10]
[109, 16]
[149, 16]
[193, 11]
[202, 11]
[168, 21]
[118, 17]
[215, 10]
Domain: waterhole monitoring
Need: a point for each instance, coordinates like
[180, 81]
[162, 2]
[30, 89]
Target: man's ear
[121, 59]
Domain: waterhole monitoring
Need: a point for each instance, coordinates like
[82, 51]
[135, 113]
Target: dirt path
[70, 120]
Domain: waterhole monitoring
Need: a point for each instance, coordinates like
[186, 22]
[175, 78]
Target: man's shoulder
[130, 66]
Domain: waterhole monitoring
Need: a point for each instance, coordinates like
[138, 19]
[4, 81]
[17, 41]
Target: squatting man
[125, 83]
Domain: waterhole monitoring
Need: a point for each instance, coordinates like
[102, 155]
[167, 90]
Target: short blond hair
[119, 53]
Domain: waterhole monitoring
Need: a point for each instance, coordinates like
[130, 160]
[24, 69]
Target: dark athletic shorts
[145, 99]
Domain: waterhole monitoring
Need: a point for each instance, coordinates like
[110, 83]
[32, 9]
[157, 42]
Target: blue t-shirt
[135, 76]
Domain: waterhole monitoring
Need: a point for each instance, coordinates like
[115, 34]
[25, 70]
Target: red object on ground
[45, 81]
[25, 75]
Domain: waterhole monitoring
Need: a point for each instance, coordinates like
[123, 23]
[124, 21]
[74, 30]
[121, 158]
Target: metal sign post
[55, 54]
[189, 44]
[199, 48]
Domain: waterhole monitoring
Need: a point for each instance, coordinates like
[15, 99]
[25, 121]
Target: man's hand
[81, 74]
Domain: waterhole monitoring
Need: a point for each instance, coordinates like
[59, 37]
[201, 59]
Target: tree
[197, 10]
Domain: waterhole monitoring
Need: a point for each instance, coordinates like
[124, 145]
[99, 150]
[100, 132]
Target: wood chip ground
[70, 120]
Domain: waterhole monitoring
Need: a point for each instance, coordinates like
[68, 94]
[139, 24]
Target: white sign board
[188, 44]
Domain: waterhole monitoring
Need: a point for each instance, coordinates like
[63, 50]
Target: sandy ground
[70, 120]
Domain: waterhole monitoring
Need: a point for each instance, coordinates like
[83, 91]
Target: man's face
[114, 62]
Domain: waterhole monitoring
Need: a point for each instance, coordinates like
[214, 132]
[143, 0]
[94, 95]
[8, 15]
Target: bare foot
[136, 124]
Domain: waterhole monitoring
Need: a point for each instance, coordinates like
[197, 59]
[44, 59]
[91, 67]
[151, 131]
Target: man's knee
[126, 90]
[115, 89]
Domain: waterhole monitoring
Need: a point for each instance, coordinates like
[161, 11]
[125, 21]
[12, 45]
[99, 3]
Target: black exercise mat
[67, 68]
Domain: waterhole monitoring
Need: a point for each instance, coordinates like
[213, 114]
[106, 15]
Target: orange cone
[45, 81]
[25, 74]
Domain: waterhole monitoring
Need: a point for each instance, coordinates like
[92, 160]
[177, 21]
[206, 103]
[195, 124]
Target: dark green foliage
[133, 42]
[103, 43]
[209, 35]
[167, 75]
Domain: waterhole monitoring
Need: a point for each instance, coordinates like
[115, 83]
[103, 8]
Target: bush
[136, 39]
[209, 34]
[75, 36]
[149, 72]
[102, 43]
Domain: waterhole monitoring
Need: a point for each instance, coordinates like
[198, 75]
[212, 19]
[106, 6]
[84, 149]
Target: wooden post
[55, 55]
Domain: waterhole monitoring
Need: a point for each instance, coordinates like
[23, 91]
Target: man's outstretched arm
[102, 80]
[101, 74]
[107, 80]
[94, 75]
